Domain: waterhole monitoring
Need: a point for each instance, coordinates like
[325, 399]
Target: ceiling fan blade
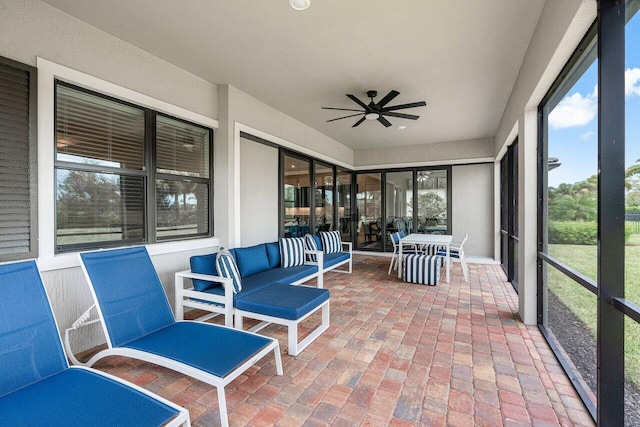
[339, 109]
[403, 106]
[388, 98]
[360, 103]
[345, 117]
[358, 122]
[401, 115]
[384, 121]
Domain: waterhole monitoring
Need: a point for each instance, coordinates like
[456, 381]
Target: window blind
[17, 209]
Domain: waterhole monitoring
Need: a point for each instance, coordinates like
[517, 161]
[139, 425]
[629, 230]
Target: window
[18, 210]
[126, 174]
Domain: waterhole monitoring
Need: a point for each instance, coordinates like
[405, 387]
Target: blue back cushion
[252, 260]
[129, 293]
[203, 264]
[318, 241]
[30, 347]
[273, 253]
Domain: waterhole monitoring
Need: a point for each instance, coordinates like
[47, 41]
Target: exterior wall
[30, 29]
[241, 112]
[561, 26]
[440, 153]
[258, 193]
[472, 207]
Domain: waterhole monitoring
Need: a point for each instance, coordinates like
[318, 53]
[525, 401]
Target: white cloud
[587, 135]
[574, 110]
[632, 81]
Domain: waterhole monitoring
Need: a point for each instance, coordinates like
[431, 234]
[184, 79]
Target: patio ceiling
[461, 57]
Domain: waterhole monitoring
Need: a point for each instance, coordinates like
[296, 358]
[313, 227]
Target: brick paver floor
[396, 354]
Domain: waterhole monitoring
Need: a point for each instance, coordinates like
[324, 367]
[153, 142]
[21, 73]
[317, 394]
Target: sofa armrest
[319, 257]
[181, 293]
[349, 246]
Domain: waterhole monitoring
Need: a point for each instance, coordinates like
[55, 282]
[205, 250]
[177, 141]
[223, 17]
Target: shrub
[578, 232]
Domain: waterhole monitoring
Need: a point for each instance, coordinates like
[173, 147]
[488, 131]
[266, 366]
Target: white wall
[258, 193]
[472, 207]
[30, 29]
[561, 26]
[439, 153]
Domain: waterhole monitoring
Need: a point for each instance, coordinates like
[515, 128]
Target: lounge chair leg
[276, 353]
[222, 402]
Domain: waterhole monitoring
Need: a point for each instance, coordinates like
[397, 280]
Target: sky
[573, 123]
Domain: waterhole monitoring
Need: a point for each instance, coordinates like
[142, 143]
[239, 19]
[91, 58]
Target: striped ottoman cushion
[422, 269]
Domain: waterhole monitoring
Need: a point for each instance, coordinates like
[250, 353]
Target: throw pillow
[311, 245]
[291, 251]
[331, 241]
[226, 267]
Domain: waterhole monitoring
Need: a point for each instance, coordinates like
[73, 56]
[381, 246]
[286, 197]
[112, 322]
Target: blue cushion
[273, 253]
[252, 260]
[331, 241]
[280, 275]
[283, 301]
[203, 264]
[331, 259]
[291, 251]
[80, 397]
[453, 253]
[226, 267]
[318, 241]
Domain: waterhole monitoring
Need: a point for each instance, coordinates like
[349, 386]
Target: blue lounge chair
[37, 386]
[138, 323]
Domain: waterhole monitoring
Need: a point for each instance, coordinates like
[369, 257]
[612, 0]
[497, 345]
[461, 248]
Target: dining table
[417, 239]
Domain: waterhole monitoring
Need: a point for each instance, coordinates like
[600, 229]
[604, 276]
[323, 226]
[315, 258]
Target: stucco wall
[31, 29]
[472, 207]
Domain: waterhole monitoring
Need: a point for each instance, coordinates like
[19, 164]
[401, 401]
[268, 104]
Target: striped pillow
[311, 245]
[291, 251]
[331, 241]
[226, 267]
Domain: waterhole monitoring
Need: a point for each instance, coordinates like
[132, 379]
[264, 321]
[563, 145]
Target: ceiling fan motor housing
[372, 93]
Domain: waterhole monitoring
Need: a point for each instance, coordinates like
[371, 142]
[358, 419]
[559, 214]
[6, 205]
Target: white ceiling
[461, 57]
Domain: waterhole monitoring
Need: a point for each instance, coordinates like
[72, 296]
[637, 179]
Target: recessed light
[401, 127]
[300, 4]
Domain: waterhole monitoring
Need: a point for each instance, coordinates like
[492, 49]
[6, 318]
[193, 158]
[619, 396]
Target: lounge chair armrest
[81, 322]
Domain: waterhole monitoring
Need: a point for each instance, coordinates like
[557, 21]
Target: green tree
[430, 205]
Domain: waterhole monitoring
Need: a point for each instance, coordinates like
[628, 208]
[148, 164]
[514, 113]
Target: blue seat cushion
[252, 260]
[204, 264]
[280, 275]
[199, 345]
[283, 301]
[331, 259]
[453, 253]
[79, 397]
[273, 253]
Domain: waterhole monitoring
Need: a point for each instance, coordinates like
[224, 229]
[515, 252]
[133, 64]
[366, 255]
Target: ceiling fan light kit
[377, 111]
[300, 4]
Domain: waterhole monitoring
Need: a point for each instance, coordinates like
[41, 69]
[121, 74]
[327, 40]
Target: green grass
[583, 258]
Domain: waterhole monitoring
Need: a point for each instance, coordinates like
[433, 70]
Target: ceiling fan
[378, 111]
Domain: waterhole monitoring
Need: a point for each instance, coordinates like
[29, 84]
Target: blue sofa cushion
[279, 275]
[331, 259]
[318, 241]
[226, 267]
[283, 301]
[291, 251]
[252, 260]
[273, 253]
[204, 264]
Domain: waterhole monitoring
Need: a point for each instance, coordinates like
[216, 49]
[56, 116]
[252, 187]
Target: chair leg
[222, 403]
[465, 268]
[393, 259]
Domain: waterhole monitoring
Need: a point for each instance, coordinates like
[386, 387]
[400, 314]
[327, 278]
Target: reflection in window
[297, 192]
[432, 201]
[343, 189]
[369, 209]
[323, 184]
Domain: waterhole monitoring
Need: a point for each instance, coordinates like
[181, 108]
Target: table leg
[399, 263]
